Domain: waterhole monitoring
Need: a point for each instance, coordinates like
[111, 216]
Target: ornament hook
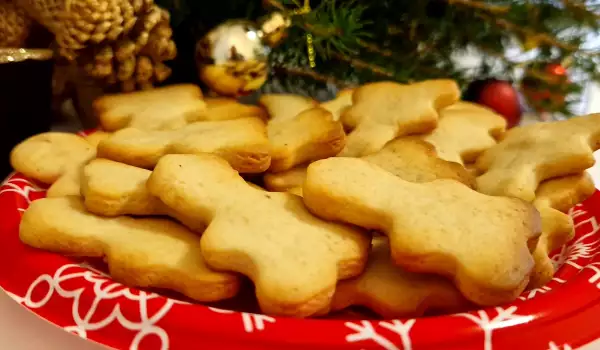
[305, 9]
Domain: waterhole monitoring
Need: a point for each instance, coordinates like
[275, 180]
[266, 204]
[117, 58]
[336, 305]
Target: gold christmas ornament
[232, 59]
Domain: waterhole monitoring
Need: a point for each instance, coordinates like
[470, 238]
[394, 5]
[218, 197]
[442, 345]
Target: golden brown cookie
[219, 108]
[96, 137]
[554, 198]
[414, 160]
[293, 258]
[165, 108]
[289, 180]
[311, 135]
[339, 104]
[393, 292]
[46, 157]
[155, 253]
[410, 159]
[530, 154]
[464, 131]
[242, 142]
[68, 184]
[113, 189]
[433, 227]
[383, 111]
[285, 106]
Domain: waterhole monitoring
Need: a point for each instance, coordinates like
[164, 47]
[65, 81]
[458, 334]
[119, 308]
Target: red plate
[82, 300]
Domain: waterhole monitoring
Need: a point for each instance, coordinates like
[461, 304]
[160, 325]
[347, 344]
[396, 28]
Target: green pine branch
[358, 41]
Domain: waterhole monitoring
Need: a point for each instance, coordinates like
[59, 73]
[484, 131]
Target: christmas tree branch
[581, 6]
[309, 73]
[357, 63]
[541, 37]
[276, 4]
[374, 48]
[480, 5]
[505, 24]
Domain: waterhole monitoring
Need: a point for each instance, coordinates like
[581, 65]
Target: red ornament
[502, 97]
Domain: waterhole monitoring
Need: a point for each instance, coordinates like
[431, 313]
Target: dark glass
[25, 98]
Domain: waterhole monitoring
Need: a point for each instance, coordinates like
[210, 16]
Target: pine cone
[14, 25]
[79, 23]
[135, 60]
[121, 42]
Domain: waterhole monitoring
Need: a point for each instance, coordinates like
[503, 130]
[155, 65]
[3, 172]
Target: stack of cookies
[398, 198]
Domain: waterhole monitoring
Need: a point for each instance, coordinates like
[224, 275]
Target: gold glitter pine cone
[76, 23]
[135, 61]
[14, 25]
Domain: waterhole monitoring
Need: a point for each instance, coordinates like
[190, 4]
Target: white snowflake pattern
[366, 331]
[504, 318]
[251, 322]
[13, 185]
[530, 294]
[103, 289]
[576, 211]
[552, 346]
[596, 276]
[558, 259]
[582, 248]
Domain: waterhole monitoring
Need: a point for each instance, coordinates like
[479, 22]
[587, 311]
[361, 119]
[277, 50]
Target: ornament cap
[273, 28]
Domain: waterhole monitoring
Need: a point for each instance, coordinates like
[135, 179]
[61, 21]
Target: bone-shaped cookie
[242, 142]
[69, 183]
[393, 292]
[554, 198]
[96, 137]
[46, 157]
[155, 253]
[293, 258]
[410, 159]
[481, 242]
[310, 135]
[339, 104]
[383, 111]
[219, 108]
[165, 108]
[285, 106]
[113, 189]
[414, 160]
[530, 154]
[464, 131]
[286, 181]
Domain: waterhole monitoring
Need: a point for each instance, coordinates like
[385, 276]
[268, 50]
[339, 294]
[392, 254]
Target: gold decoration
[274, 28]
[232, 58]
[310, 48]
[14, 25]
[9, 55]
[117, 42]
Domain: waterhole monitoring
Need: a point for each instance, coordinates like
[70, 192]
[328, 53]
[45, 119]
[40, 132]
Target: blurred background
[529, 60]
